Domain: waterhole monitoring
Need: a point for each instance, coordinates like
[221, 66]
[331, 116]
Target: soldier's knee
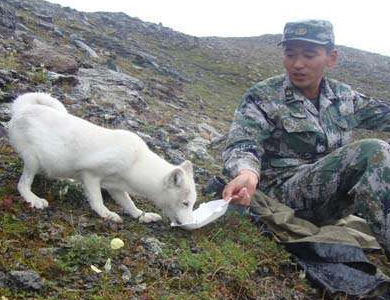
[373, 144]
[373, 147]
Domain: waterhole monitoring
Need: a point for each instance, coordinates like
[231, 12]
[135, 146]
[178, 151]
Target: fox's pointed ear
[175, 178]
[187, 167]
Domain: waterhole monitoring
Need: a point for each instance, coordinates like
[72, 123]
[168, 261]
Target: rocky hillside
[178, 92]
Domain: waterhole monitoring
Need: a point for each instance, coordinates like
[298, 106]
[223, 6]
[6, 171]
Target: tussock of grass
[9, 62]
[12, 225]
[84, 251]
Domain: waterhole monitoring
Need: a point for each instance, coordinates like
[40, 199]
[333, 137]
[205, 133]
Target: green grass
[9, 62]
[224, 265]
[12, 226]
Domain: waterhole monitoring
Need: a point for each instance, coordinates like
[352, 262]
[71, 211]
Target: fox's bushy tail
[28, 99]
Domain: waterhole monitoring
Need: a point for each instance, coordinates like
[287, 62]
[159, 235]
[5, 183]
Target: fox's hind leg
[30, 169]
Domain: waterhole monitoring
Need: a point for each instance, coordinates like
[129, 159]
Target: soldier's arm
[242, 156]
[370, 113]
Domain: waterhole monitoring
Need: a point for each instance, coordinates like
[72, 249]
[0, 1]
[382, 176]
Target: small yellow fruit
[117, 243]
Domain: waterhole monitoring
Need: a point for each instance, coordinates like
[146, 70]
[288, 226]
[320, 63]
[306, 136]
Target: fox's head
[179, 194]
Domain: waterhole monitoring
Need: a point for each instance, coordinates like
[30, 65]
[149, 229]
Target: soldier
[291, 138]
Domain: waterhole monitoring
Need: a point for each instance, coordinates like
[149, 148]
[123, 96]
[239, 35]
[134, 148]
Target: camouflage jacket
[276, 128]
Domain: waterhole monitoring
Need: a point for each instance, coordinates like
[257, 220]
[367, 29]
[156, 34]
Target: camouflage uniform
[304, 154]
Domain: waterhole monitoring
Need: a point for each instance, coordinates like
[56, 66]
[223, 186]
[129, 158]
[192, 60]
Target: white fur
[60, 145]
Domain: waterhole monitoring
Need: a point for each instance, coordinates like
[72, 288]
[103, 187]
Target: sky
[358, 24]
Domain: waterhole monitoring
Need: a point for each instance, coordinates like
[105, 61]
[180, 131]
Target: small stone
[3, 280]
[126, 275]
[153, 245]
[27, 279]
[139, 288]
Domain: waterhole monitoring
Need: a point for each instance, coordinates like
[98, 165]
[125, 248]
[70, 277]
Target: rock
[3, 280]
[173, 106]
[7, 18]
[22, 30]
[139, 278]
[47, 26]
[126, 274]
[147, 139]
[2, 83]
[172, 128]
[133, 124]
[198, 147]
[162, 88]
[3, 131]
[26, 279]
[176, 157]
[52, 59]
[172, 266]
[200, 173]
[58, 32]
[86, 48]
[145, 60]
[6, 77]
[214, 187]
[112, 65]
[108, 86]
[181, 138]
[148, 61]
[208, 132]
[6, 97]
[80, 42]
[45, 18]
[49, 251]
[139, 288]
[57, 78]
[161, 134]
[218, 142]
[153, 245]
[5, 112]
[183, 125]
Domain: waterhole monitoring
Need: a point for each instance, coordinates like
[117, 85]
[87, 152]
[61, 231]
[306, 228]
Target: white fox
[60, 145]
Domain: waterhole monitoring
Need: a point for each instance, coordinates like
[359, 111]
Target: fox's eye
[186, 204]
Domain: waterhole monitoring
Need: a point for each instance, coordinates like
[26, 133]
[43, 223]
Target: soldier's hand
[241, 189]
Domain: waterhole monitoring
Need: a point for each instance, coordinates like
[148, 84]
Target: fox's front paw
[149, 217]
[113, 217]
[37, 202]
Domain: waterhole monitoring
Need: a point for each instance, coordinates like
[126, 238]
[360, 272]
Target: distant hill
[215, 70]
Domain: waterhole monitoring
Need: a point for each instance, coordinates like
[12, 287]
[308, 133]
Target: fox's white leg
[94, 195]
[24, 186]
[124, 200]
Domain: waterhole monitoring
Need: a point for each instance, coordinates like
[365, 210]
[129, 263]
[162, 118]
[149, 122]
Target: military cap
[314, 31]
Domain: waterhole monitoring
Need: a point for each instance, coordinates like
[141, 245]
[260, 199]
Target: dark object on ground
[339, 268]
[214, 187]
[3, 131]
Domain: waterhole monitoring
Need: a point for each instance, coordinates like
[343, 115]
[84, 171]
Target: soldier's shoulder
[269, 88]
[340, 88]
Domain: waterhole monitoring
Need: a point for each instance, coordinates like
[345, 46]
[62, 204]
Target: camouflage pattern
[304, 154]
[353, 179]
[314, 31]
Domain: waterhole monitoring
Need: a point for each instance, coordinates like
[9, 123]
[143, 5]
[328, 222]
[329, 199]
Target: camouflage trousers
[353, 179]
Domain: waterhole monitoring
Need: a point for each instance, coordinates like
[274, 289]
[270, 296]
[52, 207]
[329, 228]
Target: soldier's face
[305, 64]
